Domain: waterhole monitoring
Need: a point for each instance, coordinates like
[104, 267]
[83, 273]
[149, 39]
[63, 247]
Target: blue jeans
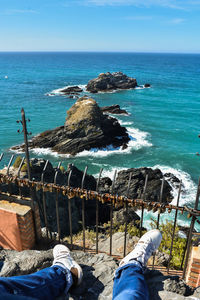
[46, 284]
[129, 283]
[49, 283]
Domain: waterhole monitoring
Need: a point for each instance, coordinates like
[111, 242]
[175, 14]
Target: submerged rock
[71, 90]
[114, 109]
[86, 127]
[106, 82]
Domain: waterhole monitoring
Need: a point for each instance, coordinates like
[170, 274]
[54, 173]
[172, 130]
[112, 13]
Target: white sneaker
[145, 247]
[62, 256]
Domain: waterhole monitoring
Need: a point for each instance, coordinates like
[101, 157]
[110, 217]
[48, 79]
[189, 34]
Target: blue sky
[100, 25]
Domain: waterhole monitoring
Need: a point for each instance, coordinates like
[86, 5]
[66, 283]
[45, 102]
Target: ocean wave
[122, 123]
[138, 141]
[58, 92]
[189, 187]
[187, 196]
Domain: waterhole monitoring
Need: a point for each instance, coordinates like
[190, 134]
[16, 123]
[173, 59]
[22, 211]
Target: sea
[163, 120]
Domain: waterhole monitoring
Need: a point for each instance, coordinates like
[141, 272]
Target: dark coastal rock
[86, 127]
[98, 273]
[114, 109]
[147, 85]
[111, 81]
[138, 182]
[72, 90]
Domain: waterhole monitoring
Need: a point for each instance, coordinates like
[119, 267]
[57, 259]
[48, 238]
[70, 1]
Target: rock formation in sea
[86, 127]
[114, 109]
[106, 82]
[137, 184]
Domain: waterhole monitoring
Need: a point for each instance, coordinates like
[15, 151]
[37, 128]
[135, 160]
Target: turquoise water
[164, 119]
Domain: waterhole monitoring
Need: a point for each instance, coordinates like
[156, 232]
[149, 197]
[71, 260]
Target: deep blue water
[164, 119]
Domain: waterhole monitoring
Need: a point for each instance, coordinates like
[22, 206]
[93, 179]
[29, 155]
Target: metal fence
[112, 199]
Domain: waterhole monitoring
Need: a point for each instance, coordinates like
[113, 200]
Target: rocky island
[86, 127]
[106, 82]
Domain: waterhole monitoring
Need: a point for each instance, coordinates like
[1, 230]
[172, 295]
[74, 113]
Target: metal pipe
[111, 211]
[83, 207]
[97, 210]
[70, 212]
[174, 228]
[191, 230]
[126, 212]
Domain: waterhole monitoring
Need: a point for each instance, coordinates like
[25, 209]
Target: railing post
[126, 212]
[57, 208]
[44, 199]
[160, 200]
[174, 228]
[70, 211]
[111, 211]
[143, 198]
[83, 207]
[26, 143]
[97, 210]
[191, 230]
[159, 211]
[8, 169]
[18, 175]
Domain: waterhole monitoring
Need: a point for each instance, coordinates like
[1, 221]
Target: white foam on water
[122, 123]
[48, 151]
[187, 197]
[189, 187]
[57, 92]
[138, 141]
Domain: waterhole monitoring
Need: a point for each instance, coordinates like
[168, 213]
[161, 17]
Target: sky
[100, 25]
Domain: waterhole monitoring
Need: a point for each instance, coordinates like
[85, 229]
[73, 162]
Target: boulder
[114, 109]
[86, 127]
[106, 82]
[137, 184]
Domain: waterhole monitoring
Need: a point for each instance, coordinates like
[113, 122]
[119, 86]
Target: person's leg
[44, 284]
[129, 281]
[48, 283]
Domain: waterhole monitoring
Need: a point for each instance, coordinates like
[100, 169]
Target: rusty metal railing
[112, 199]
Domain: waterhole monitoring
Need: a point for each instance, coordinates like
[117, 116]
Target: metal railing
[112, 199]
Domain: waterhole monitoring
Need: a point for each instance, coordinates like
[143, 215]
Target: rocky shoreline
[136, 191]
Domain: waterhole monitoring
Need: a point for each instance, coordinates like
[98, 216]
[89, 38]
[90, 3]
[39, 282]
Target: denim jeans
[45, 284]
[49, 283]
[129, 283]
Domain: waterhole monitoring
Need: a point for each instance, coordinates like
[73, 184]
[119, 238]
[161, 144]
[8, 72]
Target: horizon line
[95, 51]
